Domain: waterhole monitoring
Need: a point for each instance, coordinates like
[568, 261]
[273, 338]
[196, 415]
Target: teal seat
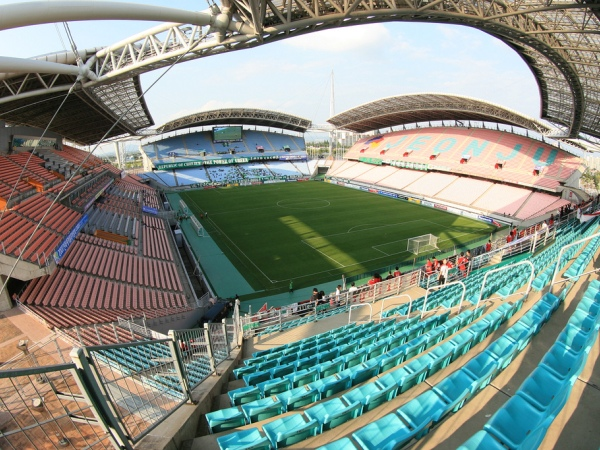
[289, 430]
[262, 409]
[331, 385]
[371, 395]
[482, 440]
[326, 369]
[282, 370]
[439, 358]
[302, 377]
[455, 389]
[275, 386]
[423, 411]
[389, 361]
[333, 413]
[388, 433]
[575, 339]
[462, 343]
[252, 379]
[243, 395]
[244, 439]
[519, 334]
[307, 362]
[481, 369]
[239, 372]
[516, 422]
[225, 419]
[504, 350]
[545, 391]
[295, 398]
[563, 362]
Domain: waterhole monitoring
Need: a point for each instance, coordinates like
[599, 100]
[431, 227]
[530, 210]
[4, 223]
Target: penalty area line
[324, 254]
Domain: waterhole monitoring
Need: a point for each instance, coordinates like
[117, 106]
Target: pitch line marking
[324, 254]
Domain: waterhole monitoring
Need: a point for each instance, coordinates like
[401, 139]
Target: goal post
[424, 243]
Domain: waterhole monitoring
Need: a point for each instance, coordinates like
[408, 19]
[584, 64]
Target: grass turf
[314, 232]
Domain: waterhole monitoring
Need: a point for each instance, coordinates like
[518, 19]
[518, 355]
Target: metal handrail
[400, 296]
[500, 269]
[358, 306]
[440, 286]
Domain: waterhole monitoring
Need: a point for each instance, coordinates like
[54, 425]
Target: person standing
[443, 273]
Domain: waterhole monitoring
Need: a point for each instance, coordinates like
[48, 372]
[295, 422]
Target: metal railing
[284, 317]
[49, 407]
[109, 396]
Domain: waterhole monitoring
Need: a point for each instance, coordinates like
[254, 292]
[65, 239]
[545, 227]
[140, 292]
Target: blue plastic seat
[406, 377]
[455, 389]
[438, 358]
[462, 344]
[514, 422]
[225, 419]
[289, 430]
[262, 409]
[287, 358]
[576, 340]
[562, 361]
[303, 377]
[306, 362]
[295, 398]
[414, 347]
[266, 365]
[533, 320]
[275, 386]
[333, 412]
[482, 440]
[376, 349]
[244, 439]
[326, 369]
[328, 355]
[239, 372]
[584, 321]
[519, 334]
[423, 411]
[390, 360]
[334, 386]
[243, 395]
[388, 433]
[371, 395]
[252, 379]
[363, 372]
[434, 337]
[545, 391]
[504, 350]
[481, 369]
[282, 370]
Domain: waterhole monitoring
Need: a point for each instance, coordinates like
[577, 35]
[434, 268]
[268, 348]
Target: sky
[368, 62]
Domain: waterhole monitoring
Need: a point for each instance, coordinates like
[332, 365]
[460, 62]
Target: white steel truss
[558, 39]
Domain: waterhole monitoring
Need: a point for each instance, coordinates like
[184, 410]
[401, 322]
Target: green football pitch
[313, 232]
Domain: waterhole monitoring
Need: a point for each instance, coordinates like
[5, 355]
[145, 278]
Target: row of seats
[414, 419]
[294, 428]
[523, 420]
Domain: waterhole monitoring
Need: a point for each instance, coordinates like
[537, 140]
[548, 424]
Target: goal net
[424, 243]
[196, 225]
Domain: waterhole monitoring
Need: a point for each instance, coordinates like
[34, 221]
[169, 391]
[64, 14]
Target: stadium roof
[239, 116]
[87, 115]
[405, 109]
[558, 40]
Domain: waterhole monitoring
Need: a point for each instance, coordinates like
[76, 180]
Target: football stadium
[434, 284]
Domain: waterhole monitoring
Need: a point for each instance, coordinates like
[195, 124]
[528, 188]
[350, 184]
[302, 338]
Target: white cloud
[348, 39]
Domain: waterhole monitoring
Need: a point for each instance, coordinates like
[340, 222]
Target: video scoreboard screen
[227, 134]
